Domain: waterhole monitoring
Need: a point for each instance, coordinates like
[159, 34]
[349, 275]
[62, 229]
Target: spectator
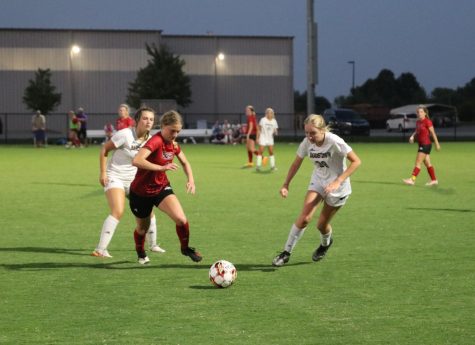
[108, 132]
[74, 125]
[82, 133]
[38, 122]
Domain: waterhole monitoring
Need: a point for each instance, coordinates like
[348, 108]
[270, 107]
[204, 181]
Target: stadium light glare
[221, 56]
[75, 50]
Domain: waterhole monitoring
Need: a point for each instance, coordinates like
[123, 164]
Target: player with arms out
[267, 130]
[117, 174]
[151, 186]
[329, 184]
[424, 129]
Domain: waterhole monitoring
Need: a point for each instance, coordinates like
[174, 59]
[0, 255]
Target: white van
[401, 122]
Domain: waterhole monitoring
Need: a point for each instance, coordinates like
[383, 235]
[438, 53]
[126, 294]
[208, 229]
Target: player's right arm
[105, 149]
[284, 190]
[140, 161]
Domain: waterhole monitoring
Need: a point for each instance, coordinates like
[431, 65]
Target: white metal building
[251, 70]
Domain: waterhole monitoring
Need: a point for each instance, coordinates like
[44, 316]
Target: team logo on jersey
[167, 155]
[135, 146]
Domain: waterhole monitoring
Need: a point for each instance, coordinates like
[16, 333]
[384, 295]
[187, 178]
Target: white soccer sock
[325, 239]
[259, 161]
[294, 236]
[108, 229]
[152, 232]
[272, 161]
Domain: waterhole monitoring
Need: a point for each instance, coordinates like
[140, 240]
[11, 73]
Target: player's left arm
[434, 136]
[355, 162]
[190, 185]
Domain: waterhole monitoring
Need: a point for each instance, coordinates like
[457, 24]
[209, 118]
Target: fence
[16, 127]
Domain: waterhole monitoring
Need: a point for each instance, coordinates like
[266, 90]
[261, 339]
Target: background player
[329, 184]
[117, 174]
[124, 120]
[267, 130]
[251, 135]
[151, 186]
[424, 129]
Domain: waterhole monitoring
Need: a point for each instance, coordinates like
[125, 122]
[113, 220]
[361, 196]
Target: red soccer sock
[416, 171]
[139, 244]
[183, 233]
[431, 172]
[249, 156]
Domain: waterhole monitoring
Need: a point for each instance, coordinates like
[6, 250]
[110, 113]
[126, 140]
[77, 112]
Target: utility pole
[352, 63]
[312, 68]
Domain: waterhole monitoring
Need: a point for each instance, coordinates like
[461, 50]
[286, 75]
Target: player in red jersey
[152, 188]
[124, 120]
[251, 135]
[424, 129]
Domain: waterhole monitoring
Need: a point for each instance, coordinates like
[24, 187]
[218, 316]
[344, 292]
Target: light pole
[219, 58]
[75, 50]
[352, 63]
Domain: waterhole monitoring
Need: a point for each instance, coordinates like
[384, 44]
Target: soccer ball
[222, 273]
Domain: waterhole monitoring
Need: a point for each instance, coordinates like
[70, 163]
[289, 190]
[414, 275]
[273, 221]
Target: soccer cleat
[157, 249]
[321, 251]
[144, 261]
[281, 259]
[248, 165]
[409, 181]
[101, 254]
[432, 183]
[192, 253]
[264, 161]
[273, 169]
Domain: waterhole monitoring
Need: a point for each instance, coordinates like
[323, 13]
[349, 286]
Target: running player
[424, 129]
[117, 174]
[268, 129]
[251, 135]
[152, 188]
[329, 184]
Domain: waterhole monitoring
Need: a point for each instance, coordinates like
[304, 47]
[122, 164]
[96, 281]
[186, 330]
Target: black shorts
[252, 137]
[142, 206]
[425, 149]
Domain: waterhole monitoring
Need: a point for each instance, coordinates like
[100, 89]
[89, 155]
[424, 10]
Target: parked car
[401, 122]
[346, 122]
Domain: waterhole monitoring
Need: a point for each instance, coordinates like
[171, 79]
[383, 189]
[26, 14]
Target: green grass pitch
[401, 270]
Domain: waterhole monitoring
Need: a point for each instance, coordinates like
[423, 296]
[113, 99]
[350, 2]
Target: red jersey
[124, 122]
[422, 131]
[252, 119]
[151, 183]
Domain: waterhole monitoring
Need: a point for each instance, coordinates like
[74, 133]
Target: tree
[162, 78]
[40, 93]
[386, 90]
[300, 103]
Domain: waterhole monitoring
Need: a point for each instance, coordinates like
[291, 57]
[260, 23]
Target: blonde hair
[125, 106]
[270, 111]
[171, 118]
[423, 107]
[317, 121]
[251, 108]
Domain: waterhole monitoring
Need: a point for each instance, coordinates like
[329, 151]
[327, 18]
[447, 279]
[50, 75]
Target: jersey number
[321, 164]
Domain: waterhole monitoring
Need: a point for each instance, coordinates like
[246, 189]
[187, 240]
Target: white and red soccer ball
[222, 273]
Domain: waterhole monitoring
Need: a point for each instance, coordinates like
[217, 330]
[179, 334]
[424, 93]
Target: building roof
[411, 108]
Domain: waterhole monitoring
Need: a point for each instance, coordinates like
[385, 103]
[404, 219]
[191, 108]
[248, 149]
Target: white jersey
[127, 146]
[329, 160]
[268, 128]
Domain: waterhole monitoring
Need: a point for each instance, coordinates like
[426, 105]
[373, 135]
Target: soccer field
[401, 269]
